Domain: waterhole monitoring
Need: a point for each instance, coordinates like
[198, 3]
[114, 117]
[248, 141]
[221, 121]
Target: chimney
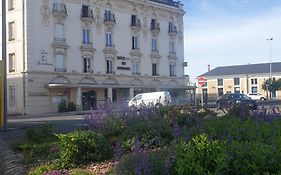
[209, 67]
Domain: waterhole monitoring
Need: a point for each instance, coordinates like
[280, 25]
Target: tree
[272, 85]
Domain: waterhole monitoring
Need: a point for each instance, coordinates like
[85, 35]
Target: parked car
[257, 96]
[151, 99]
[232, 99]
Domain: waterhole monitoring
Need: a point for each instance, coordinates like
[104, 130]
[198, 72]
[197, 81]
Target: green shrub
[62, 106]
[33, 152]
[253, 158]
[44, 168]
[71, 106]
[201, 156]
[151, 133]
[81, 147]
[41, 134]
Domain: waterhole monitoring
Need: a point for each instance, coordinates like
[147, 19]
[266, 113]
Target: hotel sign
[123, 63]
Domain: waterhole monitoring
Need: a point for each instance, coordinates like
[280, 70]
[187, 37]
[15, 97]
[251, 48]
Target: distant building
[239, 79]
[91, 51]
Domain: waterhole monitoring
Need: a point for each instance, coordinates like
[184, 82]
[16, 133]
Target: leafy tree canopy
[272, 85]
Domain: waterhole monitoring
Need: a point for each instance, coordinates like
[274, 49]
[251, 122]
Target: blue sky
[230, 32]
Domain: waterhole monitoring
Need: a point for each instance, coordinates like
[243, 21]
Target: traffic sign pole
[201, 82]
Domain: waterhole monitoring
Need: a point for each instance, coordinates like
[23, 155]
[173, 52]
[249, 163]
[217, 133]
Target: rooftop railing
[167, 2]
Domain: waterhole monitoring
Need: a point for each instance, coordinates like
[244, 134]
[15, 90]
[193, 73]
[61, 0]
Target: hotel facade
[91, 51]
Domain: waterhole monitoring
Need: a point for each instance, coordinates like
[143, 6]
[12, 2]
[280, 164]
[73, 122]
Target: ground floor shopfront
[38, 93]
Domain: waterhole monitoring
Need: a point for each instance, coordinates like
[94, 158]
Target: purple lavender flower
[142, 165]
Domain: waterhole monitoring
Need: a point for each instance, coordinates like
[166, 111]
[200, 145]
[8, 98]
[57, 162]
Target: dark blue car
[234, 99]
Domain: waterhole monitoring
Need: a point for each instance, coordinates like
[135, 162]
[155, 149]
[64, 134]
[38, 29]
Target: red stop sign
[201, 81]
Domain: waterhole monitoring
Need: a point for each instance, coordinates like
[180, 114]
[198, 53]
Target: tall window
[154, 69]
[236, 81]
[85, 11]
[109, 69]
[108, 16]
[12, 30]
[154, 45]
[135, 68]
[11, 5]
[134, 20]
[172, 47]
[108, 39]
[59, 63]
[220, 91]
[135, 43]
[220, 82]
[12, 59]
[254, 89]
[153, 24]
[59, 32]
[87, 65]
[254, 81]
[172, 27]
[86, 36]
[12, 95]
[172, 70]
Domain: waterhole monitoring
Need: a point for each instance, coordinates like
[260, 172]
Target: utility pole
[270, 66]
[4, 60]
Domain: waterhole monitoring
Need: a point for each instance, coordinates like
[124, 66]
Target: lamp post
[270, 67]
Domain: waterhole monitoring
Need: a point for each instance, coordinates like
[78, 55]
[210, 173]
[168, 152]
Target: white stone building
[90, 51]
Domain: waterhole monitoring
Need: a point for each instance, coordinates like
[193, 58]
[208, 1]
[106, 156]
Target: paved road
[18, 124]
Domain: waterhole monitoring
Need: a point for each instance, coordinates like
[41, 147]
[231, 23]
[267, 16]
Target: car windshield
[245, 96]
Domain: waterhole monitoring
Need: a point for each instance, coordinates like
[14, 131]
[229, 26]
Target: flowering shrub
[151, 133]
[98, 120]
[143, 163]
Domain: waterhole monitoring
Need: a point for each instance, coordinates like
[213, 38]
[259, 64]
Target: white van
[151, 99]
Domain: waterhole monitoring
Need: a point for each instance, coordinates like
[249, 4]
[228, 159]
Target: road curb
[10, 162]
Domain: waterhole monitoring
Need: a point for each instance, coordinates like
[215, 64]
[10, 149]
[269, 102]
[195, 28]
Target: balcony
[60, 69]
[173, 75]
[155, 74]
[88, 71]
[136, 52]
[87, 16]
[173, 31]
[109, 20]
[109, 49]
[155, 54]
[172, 56]
[167, 2]
[59, 43]
[110, 72]
[136, 25]
[136, 73]
[59, 11]
[155, 28]
[87, 46]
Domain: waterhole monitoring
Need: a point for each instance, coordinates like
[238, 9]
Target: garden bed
[119, 140]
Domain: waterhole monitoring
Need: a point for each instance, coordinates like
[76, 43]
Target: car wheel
[262, 98]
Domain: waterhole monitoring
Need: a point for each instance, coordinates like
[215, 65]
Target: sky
[230, 32]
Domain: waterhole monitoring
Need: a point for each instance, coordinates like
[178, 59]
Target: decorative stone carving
[45, 12]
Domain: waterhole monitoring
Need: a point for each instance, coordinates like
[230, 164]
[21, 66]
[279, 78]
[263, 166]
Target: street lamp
[270, 68]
